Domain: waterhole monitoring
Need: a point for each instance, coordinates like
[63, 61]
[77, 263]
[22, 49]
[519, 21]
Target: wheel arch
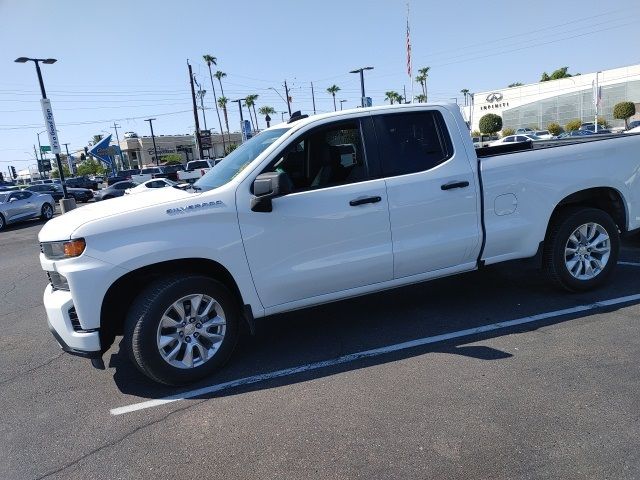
[608, 199]
[125, 289]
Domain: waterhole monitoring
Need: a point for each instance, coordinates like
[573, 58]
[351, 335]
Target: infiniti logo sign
[494, 97]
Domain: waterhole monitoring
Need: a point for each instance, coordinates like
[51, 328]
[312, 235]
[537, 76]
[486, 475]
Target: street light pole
[153, 138]
[361, 72]
[341, 102]
[115, 127]
[69, 164]
[68, 204]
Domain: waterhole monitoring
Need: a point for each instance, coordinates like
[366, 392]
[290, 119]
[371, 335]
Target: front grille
[75, 322]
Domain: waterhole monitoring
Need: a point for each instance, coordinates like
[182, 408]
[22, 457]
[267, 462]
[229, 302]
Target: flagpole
[409, 60]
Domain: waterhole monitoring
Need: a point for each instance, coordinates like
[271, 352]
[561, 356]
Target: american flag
[408, 45]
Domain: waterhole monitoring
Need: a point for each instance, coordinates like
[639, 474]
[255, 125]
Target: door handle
[450, 185]
[362, 201]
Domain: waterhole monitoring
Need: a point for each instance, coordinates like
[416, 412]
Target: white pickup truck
[321, 209]
[195, 169]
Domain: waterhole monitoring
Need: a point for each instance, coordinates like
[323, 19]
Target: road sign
[101, 151]
[50, 123]
[45, 148]
[205, 139]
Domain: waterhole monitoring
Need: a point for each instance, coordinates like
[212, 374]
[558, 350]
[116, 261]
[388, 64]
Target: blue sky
[126, 60]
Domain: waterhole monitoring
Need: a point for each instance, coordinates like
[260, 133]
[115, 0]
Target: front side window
[326, 156]
[412, 142]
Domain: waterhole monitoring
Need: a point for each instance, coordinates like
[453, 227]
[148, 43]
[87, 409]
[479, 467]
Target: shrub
[573, 125]
[490, 123]
[475, 133]
[624, 110]
[554, 129]
[508, 131]
[171, 159]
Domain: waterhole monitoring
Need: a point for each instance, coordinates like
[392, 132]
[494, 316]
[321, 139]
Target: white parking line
[630, 264]
[367, 354]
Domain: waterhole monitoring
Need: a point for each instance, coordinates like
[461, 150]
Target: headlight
[66, 249]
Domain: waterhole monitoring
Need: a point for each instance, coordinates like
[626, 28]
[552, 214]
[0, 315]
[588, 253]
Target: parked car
[576, 133]
[23, 205]
[590, 127]
[130, 135]
[544, 134]
[195, 169]
[122, 176]
[634, 130]
[115, 190]
[484, 140]
[81, 182]
[515, 139]
[170, 172]
[634, 124]
[147, 173]
[290, 220]
[152, 184]
[78, 194]
[526, 130]
[47, 181]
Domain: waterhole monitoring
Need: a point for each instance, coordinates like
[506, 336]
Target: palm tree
[220, 75]
[421, 98]
[392, 97]
[266, 111]
[222, 101]
[465, 92]
[333, 89]
[211, 60]
[250, 102]
[421, 79]
[424, 73]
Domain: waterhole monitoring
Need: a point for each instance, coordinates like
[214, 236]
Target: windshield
[3, 197]
[237, 160]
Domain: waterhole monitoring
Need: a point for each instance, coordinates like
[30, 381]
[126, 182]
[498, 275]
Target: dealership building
[538, 104]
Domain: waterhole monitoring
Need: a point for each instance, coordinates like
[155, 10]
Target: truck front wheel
[182, 329]
[581, 249]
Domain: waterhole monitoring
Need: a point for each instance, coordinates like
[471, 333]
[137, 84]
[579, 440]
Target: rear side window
[412, 142]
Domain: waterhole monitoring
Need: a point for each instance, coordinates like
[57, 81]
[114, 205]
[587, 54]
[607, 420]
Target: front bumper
[84, 343]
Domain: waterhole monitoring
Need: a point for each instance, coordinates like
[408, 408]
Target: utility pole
[286, 92]
[195, 111]
[241, 116]
[153, 138]
[313, 98]
[201, 93]
[115, 127]
[39, 163]
[69, 163]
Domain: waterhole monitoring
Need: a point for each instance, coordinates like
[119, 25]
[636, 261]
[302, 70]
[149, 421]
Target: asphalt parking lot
[539, 384]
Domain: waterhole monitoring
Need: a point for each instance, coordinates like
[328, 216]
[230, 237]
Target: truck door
[332, 232]
[432, 192]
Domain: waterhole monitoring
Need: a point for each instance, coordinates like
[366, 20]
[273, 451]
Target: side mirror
[268, 186]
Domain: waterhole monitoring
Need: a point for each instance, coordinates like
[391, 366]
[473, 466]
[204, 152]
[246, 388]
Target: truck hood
[63, 226]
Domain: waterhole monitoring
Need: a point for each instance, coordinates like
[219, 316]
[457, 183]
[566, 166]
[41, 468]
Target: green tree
[423, 74]
[171, 159]
[266, 111]
[490, 123]
[222, 102]
[250, 101]
[624, 110]
[554, 129]
[65, 169]
[231, 148]
[392, 97]
[508, 131]
[421, 98]
[465, 92]
[516, 84]
[95, 139]
[220, 75]
[91, 167]
[476, 133]
[573, 125]
[562, 72]
[211, 60]
[333, 89]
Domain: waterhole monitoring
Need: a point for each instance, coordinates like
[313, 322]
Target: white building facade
[560, 101]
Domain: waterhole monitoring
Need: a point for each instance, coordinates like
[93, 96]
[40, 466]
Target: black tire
[143, 318]
[561, 228]
[3, 223]
[46, 214]
[107, 197]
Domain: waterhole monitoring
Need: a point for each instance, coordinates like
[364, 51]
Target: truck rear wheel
[182, 329]
[581, 249]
